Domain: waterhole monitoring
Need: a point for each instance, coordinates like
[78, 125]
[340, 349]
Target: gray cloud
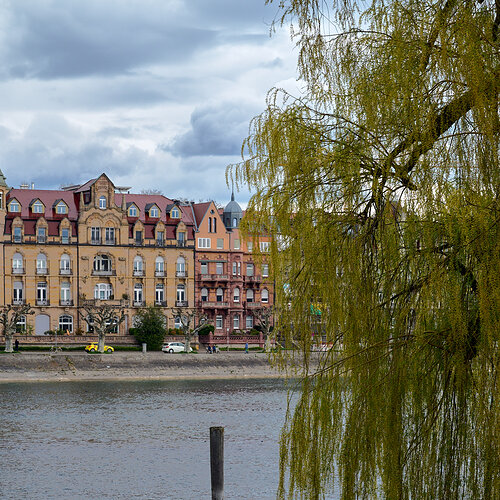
[216, 130]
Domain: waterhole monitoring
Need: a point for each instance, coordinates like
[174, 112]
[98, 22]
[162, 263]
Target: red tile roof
[47, 197]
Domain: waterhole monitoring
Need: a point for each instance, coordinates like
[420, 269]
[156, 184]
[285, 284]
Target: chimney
[32, 185]
[24, 185]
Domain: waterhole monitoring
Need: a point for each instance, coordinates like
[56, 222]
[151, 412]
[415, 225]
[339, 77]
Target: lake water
[148, 440]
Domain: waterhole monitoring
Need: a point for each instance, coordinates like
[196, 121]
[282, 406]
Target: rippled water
[125, 440]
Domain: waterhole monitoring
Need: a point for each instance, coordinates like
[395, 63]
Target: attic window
[102, 203]
[132, 211]
[14, 206]
[174, 213]
[61, 208]
[153, 212]
[37, 207]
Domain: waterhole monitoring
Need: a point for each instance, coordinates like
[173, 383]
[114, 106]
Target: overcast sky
[155, 93]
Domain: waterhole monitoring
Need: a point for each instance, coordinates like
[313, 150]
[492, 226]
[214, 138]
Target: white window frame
[66, 322]
[250, 269]
[236, 244]
[65, 291]
[236, 294]
[265, 246]
[264, 298]
[219, 322]
[103, 203]
[174, 213]
[220, 243]
[103, 291]
[153, 212]
[14, 206]
[249, 322]
[37, 207]
[132, 211]
[61, 208]
[204, 243]
[138, 293]
[204, 294]
[159, 293]
[265, 270]
[250, 296]
[236, 322]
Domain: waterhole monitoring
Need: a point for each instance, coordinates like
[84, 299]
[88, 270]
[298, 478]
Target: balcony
[253, 279]
[251, 305]
[160, 274]
[65, 241]
[138, 243]
[138, 272]
[161, 303]
[213, 305]
[42, 270]
[18, 302]
[102, 272]
[181, 244]
[18, 270]
[180, 274]
[160, 243]
[213, 277]
[181, 303]
[66, 302]
[42, 302]
[41, 239]
[110, 241]
[17, 239]
[95, 241]
[65, 271]
[138, 303]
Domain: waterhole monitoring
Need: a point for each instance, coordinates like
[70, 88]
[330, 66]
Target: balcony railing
[253, 279]
[17, 239]
[65, 271]
[110, 241]
[160, 274]
[138, 243]
[42, 270]
[18, 270]
[160, 243]
[65, 241]
[41, 239]
[181, 303]
[213, 277]
[161, 303]
[95, 241]
[67, 302]
[138, 272]
[181, 244]
[102, 272]
[138, 303]
[18, 302]
[42, 302]
[180, 274]
[213, 305]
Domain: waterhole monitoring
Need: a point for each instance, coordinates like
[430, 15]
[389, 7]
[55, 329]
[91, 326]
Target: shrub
[150, 329]
[206, 330]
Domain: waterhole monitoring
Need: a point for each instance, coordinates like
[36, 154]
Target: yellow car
[94, 346]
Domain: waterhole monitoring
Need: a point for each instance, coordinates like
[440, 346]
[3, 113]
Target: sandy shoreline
[129, 366]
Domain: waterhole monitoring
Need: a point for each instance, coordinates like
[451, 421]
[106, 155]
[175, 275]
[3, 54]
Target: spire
[232, 195]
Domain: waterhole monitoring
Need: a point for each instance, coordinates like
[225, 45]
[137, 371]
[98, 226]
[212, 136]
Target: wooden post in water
[217, 462]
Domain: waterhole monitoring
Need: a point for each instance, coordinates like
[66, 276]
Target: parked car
[174, 347]
[93, 346]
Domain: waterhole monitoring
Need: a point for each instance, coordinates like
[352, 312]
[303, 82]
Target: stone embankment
[26, 366]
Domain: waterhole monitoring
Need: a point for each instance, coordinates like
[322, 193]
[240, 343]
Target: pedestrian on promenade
[246, 348]
[16, 345]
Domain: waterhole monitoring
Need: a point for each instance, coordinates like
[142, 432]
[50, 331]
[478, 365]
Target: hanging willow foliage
[380, 185]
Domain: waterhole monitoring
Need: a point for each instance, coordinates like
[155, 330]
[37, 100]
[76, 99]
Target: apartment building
[94, 241]
[232, 284]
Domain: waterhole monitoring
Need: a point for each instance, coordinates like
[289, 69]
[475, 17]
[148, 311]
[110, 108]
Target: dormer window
[37, 207]
[103, 203]
[154, 212]
[14, 206]
[132, 211]
[61, 208]
[174, 213]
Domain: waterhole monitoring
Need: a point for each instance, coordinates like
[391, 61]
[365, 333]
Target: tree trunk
[8, 343]
[187, 344]
[268, 342]
[102, 339]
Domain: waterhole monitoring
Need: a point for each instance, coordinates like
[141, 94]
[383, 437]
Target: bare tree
[9, 318]
[151, 191]
[188, 319]
[102, 318]
[263, 319]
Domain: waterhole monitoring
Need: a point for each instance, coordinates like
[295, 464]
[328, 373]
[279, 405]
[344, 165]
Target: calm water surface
[126, 440]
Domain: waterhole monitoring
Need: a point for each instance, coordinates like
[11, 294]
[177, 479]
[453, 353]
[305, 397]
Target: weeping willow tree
[380, 184]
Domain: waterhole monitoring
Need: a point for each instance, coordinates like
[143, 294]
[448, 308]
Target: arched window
[138, 266]
[265, 296]
[41, 264]
[102, 202]
[138, 294]
[65, 264]
[181, 267]
[17, 263]
[66, 323]
[249, 295]
[18, 295]
[103, 291]
[220, 295]
[112, 325]
[235, 222]
[236, 295]
[159, 266]
[204, 294]
[102, 263]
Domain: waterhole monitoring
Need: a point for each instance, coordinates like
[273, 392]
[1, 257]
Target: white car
[174, 347]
